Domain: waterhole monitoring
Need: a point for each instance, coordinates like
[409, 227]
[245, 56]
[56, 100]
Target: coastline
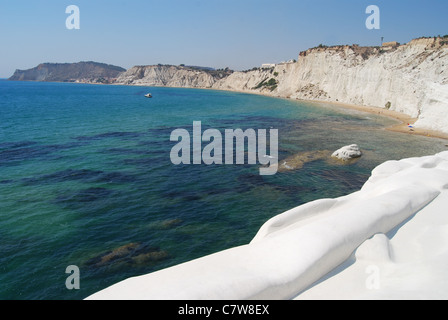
[402, 118]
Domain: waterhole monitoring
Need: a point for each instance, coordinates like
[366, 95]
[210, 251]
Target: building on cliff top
[268, 65]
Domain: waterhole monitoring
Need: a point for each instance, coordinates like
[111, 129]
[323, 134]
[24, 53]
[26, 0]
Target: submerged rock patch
[165, 224]
[298, 160]
[133, 253]
[86, 195]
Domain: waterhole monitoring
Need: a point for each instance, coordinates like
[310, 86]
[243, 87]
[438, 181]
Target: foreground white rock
[347, 152]
[294, 250]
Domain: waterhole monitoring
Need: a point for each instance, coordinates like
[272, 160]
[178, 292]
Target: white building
[268, 65]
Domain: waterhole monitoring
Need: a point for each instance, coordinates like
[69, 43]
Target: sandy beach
[405, 122]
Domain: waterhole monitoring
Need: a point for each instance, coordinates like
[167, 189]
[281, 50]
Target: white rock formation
[298, 248]
[348, 152]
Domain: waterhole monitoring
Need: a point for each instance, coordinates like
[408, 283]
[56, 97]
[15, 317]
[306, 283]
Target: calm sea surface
[86, 178]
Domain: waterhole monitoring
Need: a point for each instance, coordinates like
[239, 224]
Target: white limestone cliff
[411, 79]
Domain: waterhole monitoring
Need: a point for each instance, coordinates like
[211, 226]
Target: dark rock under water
[134, 253]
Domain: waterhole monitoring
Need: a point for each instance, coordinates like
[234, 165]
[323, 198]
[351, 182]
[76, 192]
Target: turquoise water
[86, 178]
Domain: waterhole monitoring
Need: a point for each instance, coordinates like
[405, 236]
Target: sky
[239, 34]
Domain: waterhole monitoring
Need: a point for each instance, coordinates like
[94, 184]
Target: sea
[89, 195]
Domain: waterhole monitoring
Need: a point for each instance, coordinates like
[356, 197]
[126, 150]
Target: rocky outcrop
[171, 76]
[88, 72]
[347, 153]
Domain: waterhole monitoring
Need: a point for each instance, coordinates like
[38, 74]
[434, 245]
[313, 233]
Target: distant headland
[85, 71]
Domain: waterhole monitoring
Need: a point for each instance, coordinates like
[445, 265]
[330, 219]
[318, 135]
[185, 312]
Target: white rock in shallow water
[348, 152]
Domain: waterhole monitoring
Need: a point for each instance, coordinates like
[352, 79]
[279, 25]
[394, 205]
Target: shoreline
[402, 118]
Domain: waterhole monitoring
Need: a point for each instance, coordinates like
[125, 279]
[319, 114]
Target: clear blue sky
[239, 34]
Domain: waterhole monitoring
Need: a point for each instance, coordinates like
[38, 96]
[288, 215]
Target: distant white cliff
[171, 76]
[396, 226]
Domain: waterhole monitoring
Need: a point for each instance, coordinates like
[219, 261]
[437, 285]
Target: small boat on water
[148, 95]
